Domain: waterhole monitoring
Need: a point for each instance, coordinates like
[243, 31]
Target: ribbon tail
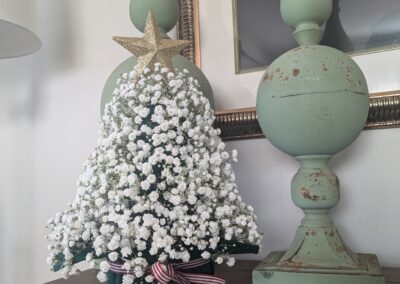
[195, 278]
[182, 279]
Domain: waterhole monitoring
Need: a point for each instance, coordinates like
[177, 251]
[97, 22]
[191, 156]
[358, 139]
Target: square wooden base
[269, 272]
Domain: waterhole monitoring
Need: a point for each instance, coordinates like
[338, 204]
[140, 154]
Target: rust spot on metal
[306, 194]
[313, 233]
[296, 72]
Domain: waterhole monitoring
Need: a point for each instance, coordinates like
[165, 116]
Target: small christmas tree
[157, 197]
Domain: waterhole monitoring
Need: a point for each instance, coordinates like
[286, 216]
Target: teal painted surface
[306, 17]
[313, 100]
[315, 185]
[312, 103]
[178, 61]
[269, 272]
[315, 189]
[166, 13]
[313, 278]
[320, 247]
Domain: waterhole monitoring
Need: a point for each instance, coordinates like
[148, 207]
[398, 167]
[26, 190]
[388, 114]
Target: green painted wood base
[271, 272]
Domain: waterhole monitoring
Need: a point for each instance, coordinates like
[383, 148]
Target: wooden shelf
[239, 274]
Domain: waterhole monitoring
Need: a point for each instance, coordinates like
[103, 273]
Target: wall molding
[239, 124]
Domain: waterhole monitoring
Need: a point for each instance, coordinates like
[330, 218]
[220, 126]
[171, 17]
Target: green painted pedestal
[313, 103]
[318, 254]
[270, 272]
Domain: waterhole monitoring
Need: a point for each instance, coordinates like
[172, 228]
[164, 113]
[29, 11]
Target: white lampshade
[18, 28]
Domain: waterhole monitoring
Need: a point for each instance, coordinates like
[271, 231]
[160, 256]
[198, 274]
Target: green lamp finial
[166, 13]
[306, 17]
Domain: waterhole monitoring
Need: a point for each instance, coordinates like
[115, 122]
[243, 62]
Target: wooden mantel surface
[239, 274]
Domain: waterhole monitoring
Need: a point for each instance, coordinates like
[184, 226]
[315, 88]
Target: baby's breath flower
[102, 277]
[158, 183]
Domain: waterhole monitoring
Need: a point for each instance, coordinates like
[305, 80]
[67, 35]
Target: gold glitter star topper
[152, 48]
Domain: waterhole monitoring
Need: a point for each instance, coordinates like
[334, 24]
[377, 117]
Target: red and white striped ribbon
[164, 273]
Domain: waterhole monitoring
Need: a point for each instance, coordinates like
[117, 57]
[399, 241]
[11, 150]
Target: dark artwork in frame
[355, 26]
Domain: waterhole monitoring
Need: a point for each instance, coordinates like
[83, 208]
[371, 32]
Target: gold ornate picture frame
[376, 31]
[238, 124]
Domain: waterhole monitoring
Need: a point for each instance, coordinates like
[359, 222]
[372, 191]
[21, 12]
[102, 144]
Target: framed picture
[242, 123]
[355, 26]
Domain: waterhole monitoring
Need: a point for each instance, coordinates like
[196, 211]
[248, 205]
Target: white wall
[368, 212]
[49, 114]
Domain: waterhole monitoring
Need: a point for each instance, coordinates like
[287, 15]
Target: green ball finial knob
[306, 17]
[166, 13]
[313, 100]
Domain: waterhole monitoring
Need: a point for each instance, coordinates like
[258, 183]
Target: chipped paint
[340, 250]
[306, 194]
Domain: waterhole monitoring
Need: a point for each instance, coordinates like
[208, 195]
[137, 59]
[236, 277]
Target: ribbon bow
[165, 273]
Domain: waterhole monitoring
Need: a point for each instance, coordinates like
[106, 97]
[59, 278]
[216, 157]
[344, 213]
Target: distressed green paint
[166, 13]
[270, 272]
[179, 63]
[306, 18]
[312, 100]
[315, 186]
[312, 103]
[315, 189]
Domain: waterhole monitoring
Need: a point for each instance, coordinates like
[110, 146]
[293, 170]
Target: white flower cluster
[159, 185]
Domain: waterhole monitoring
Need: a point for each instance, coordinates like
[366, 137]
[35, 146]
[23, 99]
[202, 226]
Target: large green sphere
[313, 100]
[166, 13]
[179, 63]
